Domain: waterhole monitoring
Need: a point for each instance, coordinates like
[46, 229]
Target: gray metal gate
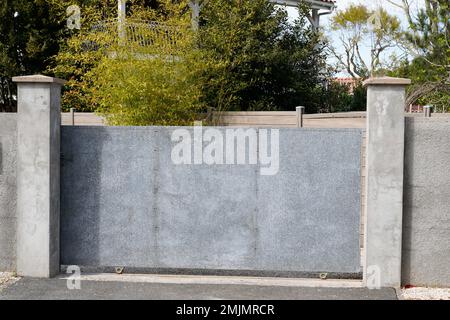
[125, 203]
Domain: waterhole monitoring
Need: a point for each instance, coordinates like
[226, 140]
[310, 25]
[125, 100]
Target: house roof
[315, 4]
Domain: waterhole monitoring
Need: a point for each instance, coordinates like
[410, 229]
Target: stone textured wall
[426, 219]
[124, 203]
[8, 147]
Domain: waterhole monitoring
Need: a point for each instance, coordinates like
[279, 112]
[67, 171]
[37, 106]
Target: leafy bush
[152, 91]
[152, 76]
[156, 78]
[337, 97]
[76, 57]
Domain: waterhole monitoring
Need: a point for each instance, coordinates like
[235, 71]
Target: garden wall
[426, 216]
[8, 149]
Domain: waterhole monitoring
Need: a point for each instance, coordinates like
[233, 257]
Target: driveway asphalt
[57, 289]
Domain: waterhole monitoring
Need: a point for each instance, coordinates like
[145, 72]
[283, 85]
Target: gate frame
[38, 227]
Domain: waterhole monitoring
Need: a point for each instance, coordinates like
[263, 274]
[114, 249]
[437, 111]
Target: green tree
[338, 97]
[77, 54]
[359, 98]
[245, 56]
[262, 61]
[356, 26]
[29, 38]
[81, 50]
[427, 41]
[31, 35]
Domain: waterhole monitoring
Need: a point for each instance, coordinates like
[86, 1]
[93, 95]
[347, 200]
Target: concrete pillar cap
[387, 81]
[38, 78]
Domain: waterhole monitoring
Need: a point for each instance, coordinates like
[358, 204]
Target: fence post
[72, 116]
[427, 111]
[38, 176]
[300, 113]
[384, 181]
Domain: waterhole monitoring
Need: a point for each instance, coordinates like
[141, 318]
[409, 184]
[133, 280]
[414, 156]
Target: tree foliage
[249, 57]
[32, 33]
[156, 78]
[79, 53]
[245, 56]
[341, 98]
[357, 26]
[262, 61]
[427, 40]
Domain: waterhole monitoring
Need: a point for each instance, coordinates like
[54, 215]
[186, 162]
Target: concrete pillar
[38, 159]
[384, 181]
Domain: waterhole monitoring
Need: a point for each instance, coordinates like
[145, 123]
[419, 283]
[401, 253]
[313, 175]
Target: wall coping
[38, 78]
[387, 81]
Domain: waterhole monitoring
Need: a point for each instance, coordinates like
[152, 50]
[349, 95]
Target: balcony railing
[137, 34]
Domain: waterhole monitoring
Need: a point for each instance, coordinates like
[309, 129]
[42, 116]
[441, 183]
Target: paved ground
[6, 279]
[417, 293]
[56, 289]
